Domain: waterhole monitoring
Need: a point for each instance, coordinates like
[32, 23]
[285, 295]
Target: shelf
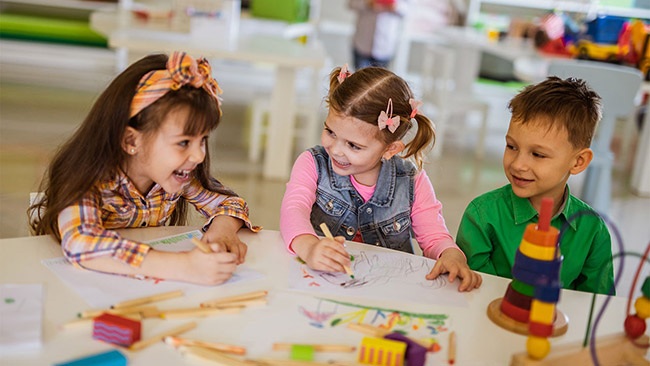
[588, 7]
[68, 4]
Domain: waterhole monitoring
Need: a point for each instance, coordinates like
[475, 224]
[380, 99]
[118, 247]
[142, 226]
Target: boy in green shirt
[547, 141]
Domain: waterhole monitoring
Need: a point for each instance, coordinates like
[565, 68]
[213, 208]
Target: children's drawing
[101, 289]
[380, 275]
[326, 313]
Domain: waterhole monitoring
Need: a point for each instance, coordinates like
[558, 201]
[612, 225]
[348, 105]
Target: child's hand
[223, 231]
[452, 260]
[210, 268]
[324, 254]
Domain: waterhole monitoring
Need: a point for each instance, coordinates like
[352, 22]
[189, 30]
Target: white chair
[617, 86]
[443, 99]
[306, 133]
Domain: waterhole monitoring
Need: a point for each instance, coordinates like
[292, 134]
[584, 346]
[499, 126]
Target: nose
[519, 163]
[197, 154]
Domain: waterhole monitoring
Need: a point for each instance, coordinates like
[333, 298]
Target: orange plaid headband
[181, 70]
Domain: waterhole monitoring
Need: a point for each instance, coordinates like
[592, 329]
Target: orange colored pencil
[229, 348]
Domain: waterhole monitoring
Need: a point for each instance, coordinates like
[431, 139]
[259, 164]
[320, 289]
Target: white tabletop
[479, 341]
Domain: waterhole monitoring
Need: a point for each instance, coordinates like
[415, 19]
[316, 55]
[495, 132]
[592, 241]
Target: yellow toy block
[536, 251]
[542, 312]
[379, 351]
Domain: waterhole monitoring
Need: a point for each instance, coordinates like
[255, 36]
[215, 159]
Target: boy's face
[538, 161]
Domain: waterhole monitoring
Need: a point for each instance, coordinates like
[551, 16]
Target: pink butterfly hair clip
[415, 107]
[344, 73]
[386, 118]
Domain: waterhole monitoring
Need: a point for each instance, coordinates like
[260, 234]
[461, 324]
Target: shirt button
[396, 225]
[329, 205]
[369, 210]
[377, 243]
[350, 230]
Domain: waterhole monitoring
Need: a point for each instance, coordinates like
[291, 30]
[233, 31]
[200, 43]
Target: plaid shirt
[87, 227]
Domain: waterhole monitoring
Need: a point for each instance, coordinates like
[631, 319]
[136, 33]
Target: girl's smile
[354, 147]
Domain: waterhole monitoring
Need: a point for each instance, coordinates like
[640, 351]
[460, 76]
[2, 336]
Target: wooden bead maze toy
[528, 306]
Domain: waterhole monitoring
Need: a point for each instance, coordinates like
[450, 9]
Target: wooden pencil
[219, 358]
[328, 235]
[316, 347]
[197, 312]
[278, 362]
[451, 352]
[157, 338]
[243, 303]
[148, 299]
[205, 248]
[240, 297]
[221, 347]
[119, 311]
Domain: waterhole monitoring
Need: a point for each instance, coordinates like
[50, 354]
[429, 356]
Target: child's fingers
[479, 281]
[217, 248]
[436, 271]
[466, 280]
[453, 273]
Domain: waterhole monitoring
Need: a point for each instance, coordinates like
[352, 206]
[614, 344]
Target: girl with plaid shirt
[137, 160]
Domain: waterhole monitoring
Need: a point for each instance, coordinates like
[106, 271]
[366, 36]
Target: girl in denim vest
[360, 188]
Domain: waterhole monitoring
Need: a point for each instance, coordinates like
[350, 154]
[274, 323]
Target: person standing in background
[377, 31]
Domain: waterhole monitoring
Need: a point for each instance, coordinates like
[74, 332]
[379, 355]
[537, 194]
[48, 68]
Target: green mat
[49, 30]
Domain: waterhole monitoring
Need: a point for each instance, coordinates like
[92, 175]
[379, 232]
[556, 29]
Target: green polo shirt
[493, 225]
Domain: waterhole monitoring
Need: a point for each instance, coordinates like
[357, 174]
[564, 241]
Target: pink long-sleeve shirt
[426, 213]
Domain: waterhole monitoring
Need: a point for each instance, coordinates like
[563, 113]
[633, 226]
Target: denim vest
[384, 220]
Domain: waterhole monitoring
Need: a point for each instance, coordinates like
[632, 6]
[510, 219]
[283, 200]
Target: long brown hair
[94, 152]
[365, 93]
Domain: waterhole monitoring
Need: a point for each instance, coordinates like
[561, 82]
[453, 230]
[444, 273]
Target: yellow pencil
[148, 299]
[246, 296]
[451, 352]
[157, 338]
[328, 234]
[222, 347]
[316, 347]
[205, 248]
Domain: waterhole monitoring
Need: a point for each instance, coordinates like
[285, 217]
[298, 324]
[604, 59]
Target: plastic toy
[378, 351]
[116, 329]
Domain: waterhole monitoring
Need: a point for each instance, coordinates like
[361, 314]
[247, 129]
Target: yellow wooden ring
[542, 312]
[537, 251]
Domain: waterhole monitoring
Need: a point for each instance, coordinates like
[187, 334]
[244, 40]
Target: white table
[126, 33]
[479, 341]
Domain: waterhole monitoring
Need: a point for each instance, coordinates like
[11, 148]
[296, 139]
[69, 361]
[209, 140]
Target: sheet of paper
[21, 316]
[101, 290]
[380, 275]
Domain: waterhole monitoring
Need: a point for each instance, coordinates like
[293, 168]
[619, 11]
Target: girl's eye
[510, 147]
[538, 155]
[330, 132]
[184, 143]
[353, 146]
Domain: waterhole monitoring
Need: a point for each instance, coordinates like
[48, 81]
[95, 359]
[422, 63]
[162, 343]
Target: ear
[131, 140]
[393, 149]
[582, 160]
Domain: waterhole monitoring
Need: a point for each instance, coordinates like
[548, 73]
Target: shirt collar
[121, 183]
[524, 212]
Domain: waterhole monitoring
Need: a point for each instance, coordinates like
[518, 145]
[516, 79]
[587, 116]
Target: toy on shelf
[528, 306]
[635, 325]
